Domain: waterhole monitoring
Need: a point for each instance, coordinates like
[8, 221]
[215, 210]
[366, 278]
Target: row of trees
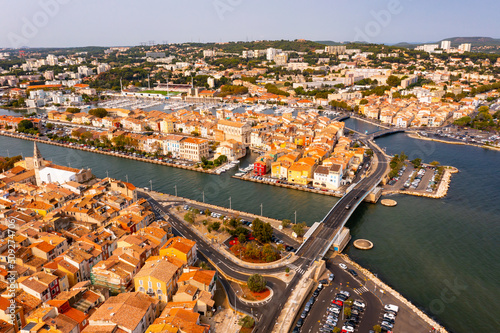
[482, 121]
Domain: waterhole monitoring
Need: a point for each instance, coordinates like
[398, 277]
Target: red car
[338, 302]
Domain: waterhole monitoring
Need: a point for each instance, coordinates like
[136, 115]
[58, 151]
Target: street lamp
[230, 205]
[175, 187]
[261, 209]
[151, 184]
[295, 217]
[203, 196]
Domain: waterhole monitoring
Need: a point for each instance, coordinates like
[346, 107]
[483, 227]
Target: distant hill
[475, 41]
[328, 42]
[296, 45]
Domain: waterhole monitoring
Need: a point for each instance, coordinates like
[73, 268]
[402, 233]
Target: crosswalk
[297, 269]
[360, 290]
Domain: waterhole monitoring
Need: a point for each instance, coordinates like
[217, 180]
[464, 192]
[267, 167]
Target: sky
[67, 23]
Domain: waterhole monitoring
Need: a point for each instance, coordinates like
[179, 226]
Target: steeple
[37, 157]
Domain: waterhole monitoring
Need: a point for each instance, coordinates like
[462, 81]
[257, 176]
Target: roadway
[267, 313]
[312, 250]
[336, 218]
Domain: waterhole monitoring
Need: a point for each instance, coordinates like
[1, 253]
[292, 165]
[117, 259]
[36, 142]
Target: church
[47, 172]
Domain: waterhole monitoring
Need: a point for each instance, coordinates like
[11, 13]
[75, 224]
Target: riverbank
[416, 135]
[49, 142]
[293, 187]
[369, 121]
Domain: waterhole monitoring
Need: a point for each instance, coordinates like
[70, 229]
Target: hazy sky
[60, 23]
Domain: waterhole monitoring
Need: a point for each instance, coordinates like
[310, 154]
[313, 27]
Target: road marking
[361, 290]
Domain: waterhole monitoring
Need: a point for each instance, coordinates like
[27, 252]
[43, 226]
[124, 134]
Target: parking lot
[422, 182]
[375, 307]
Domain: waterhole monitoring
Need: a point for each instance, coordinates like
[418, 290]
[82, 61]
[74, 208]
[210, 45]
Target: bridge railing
[325, 250]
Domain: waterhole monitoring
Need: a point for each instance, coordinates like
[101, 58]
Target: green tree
[347, 311]
[377, 328]
[99, 112]
[207, 212]
[246, 322]
[269, 253]
[287, 269]
[216, 226]
[336, 330]
[393, 81]
[188, 217]
[242, 238]
[417, 162]
[256, 283]
[434, 163]
[285, 223]
[73, 110]
[262, 231]
[363, 101]
[24, 125]
[49, 126]
[299, 229]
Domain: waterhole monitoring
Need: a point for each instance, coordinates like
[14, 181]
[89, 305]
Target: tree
[49, 126]
[24, 125]
[347, 311]
[287, 269]
[377, 328]
[285, 223]
[434, 163]
[216, 226]
[262, 231]
[299, 229]
[242, 238]
[246, 322]
[336, 330]
[393, 81]
[363, 101]
[73, 110]
[99, 112]
[256, 283]
[188, 217]
[269, 253]
[417, 162]
[207, 212]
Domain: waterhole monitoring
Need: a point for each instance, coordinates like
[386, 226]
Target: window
[158, 285]
[150, 284]
[141, 282]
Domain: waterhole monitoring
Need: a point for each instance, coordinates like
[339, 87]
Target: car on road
[334, 310]
[304, 314]
[338, 302]
[316, 293]
[343, 266]
[353, 272]
[389, 316]
[391, 307]
[348, 328]
[300, 322]
[348, 207]
[359, 303]
[331, 277]
[345, 292]
[387, 324]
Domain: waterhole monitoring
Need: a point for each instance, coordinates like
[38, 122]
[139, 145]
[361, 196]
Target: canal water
[442, 254]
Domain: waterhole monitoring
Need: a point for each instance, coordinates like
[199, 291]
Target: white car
[389, 316]
[359, 303]
[348, 328]
[392, 307]
[343, 266]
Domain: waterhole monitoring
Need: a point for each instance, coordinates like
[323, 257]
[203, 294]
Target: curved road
[312, 249]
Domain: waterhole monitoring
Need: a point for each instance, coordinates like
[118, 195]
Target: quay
[49, 142]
